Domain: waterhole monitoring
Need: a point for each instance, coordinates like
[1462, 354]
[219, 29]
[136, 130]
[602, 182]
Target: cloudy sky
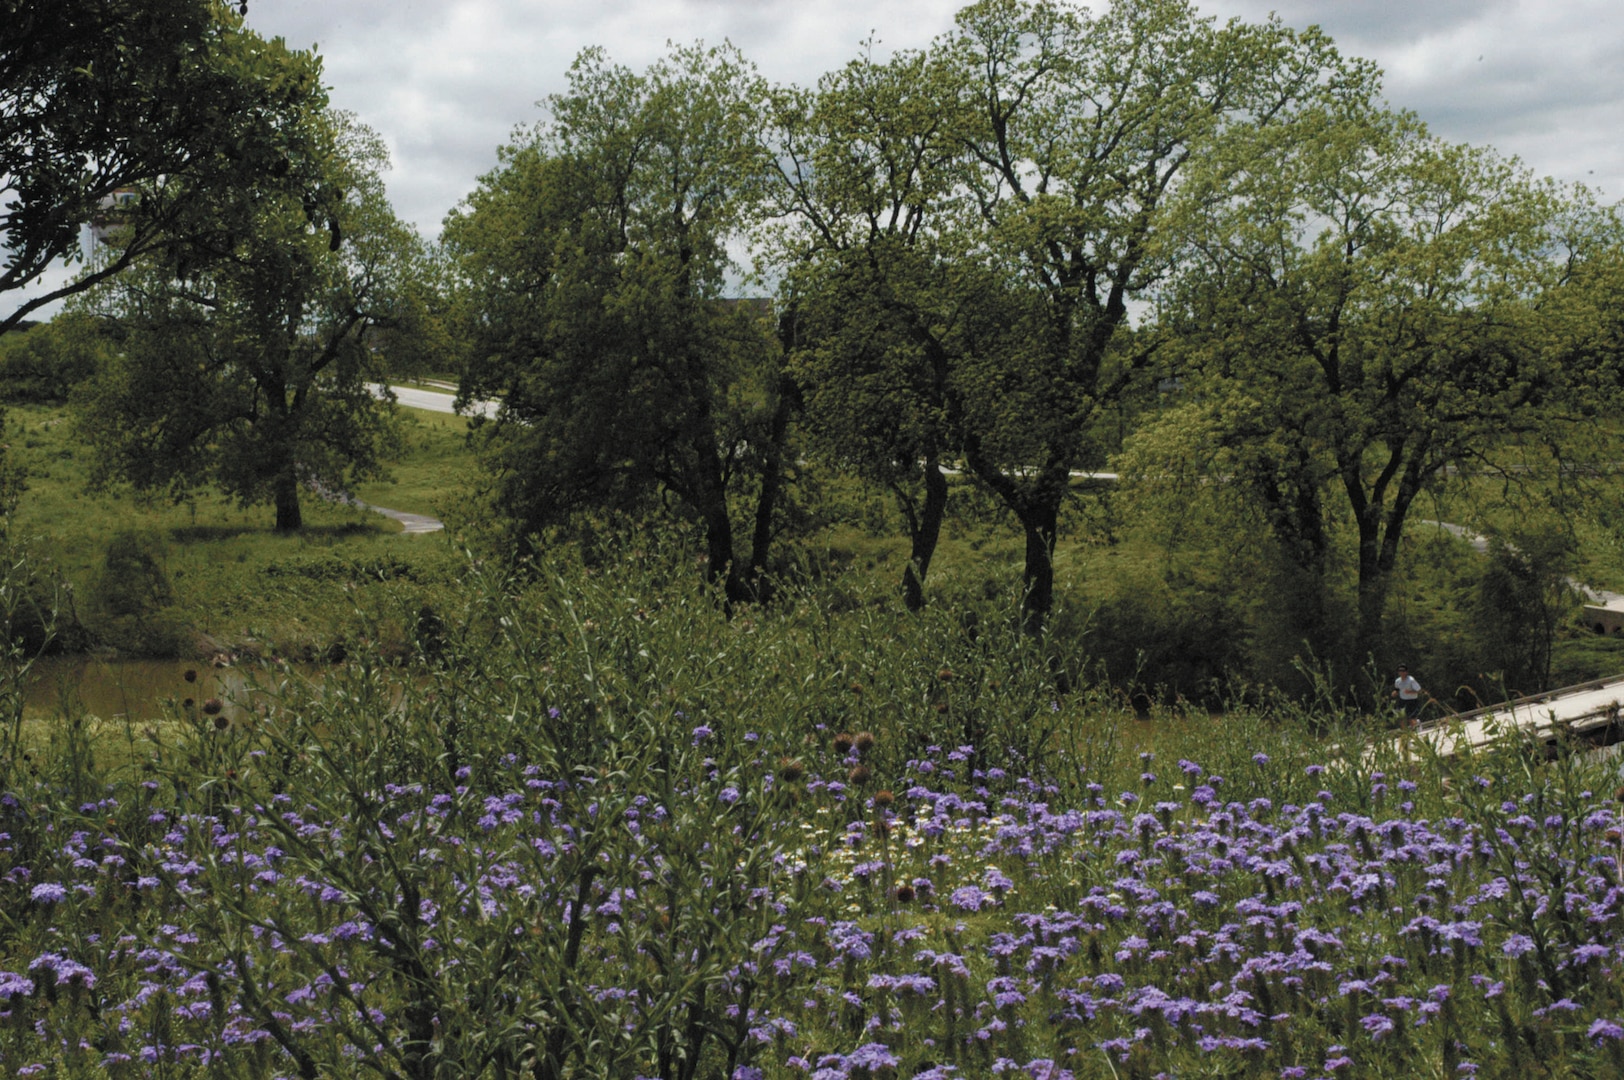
[446, 81]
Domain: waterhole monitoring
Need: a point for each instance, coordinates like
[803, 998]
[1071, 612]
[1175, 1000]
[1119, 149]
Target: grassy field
[1166, 603]
[590, 822]
[435, 472]
[221, 577]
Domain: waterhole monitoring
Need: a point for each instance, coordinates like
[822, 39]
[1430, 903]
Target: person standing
[1407, 691]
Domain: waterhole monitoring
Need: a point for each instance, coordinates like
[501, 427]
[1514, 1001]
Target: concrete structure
[1589, 711]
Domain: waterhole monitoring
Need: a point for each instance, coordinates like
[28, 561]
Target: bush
[43, 365]
[129, 606]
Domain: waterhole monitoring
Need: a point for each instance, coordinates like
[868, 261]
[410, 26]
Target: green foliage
[129, 604]
[595, 257]
[1525, 597]
[173, 102]
[247, 367]
[1366, 310]
[982, 216]
[217, 555]
[43, 365]
[603, 829]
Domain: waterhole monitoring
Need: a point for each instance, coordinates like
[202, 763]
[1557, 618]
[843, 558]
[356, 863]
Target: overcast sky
[446, 81]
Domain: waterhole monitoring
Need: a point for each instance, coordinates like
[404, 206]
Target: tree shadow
[189, 534]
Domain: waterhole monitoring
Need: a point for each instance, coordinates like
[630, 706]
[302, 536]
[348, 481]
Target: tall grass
[600, 828]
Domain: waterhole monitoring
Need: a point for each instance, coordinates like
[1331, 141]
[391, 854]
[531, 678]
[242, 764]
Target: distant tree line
[985, 251]
[1204, 255]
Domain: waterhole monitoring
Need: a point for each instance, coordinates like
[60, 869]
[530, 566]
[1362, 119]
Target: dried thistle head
[864, 741]
[843, 743]
[859, 775]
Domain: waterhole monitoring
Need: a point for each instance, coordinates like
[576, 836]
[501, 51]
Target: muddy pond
[140, 690]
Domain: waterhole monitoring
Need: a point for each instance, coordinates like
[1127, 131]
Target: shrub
[130, 598]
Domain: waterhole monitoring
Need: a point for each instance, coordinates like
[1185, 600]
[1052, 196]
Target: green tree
[1383, 302]
[868, 167]
[166, 100]
[594, 259]
[246, 358]
[1070, 134]
[1084, 127]
[45, 362]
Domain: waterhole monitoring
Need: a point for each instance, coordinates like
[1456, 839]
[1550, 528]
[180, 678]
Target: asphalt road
[436, 401]
[429, 401]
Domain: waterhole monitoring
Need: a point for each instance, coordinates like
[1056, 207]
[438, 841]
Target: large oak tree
[866, 193]
[1367, 309]
[594, 259]
[1013, 277]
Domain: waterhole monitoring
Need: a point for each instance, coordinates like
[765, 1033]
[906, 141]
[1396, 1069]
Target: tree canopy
[247, 358]
[1366, 308]
[156, 103]
[1014, 199]
[594, 258]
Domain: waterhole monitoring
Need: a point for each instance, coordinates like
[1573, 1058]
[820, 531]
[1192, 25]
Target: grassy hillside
[205, 574]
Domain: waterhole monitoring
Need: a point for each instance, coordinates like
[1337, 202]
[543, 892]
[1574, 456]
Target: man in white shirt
[1408, 693]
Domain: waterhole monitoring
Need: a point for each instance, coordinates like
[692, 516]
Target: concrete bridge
[1590, 712]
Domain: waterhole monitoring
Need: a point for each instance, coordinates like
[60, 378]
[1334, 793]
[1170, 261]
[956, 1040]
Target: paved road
[409, 523]
[435, 401]
[430, 401]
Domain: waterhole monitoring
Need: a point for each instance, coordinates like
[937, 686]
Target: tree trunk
[1041, 525]
[288, 516]
[708, 496]
[783, 400]
[1372, 598]
[926, 531]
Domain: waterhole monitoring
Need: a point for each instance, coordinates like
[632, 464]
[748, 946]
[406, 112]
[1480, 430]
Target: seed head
[883, 797]
[212, 706]
[859, 775]
[945, 675]
[864, 741]
[905, 894]
[791, 769]
[221, 722]
[190, 675]
[843, 743]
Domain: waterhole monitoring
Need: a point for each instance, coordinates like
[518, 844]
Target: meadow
[202, 576]
[576, 817]
[598, 828]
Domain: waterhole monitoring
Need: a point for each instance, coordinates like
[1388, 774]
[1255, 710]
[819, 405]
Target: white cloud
[445, 82]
